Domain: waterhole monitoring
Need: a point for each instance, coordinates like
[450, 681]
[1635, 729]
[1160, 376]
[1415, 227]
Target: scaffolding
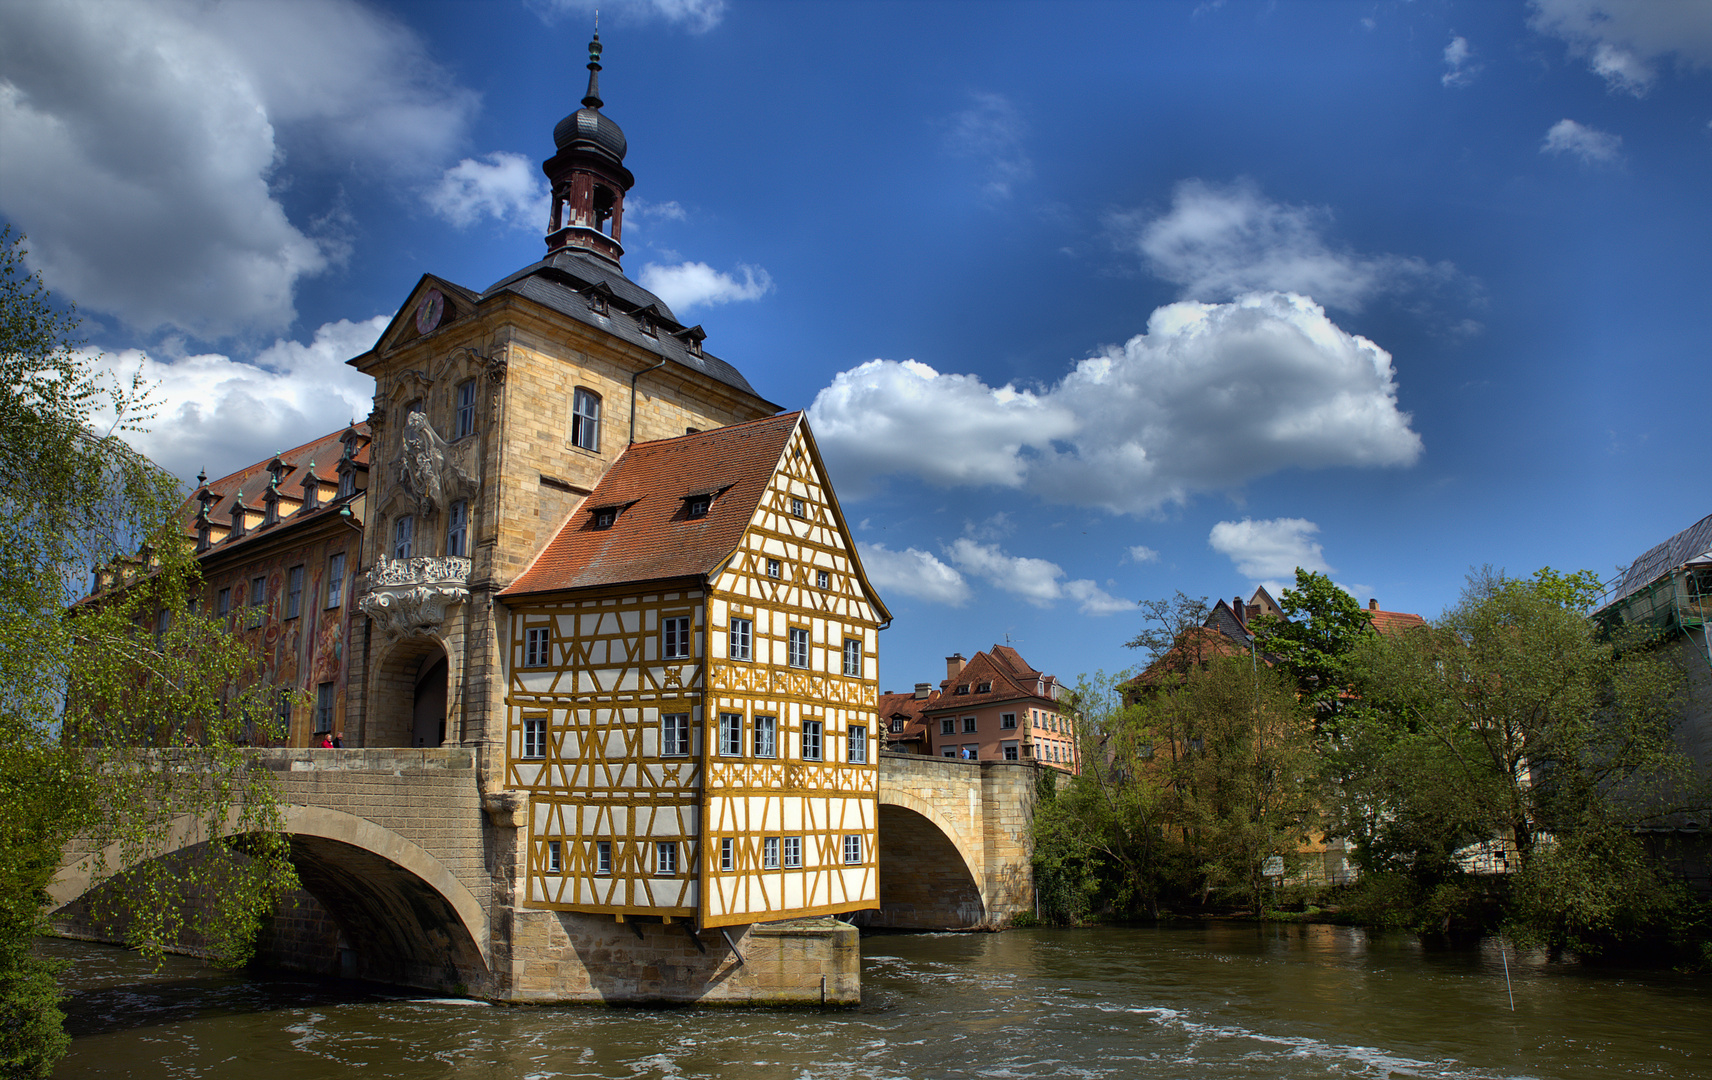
[1668, 590]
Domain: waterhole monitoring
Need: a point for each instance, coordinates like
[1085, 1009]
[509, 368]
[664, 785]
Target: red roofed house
[905, 727]
[996, 707]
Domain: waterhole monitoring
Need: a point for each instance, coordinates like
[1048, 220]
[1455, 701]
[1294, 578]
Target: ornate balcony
[409, 597]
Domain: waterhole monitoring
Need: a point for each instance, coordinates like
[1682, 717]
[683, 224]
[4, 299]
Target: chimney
[953, 666]
[1373, 605]
[922, 690]
[1240, 610]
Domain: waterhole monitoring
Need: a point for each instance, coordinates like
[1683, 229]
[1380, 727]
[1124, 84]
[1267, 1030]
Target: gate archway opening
[408, 696]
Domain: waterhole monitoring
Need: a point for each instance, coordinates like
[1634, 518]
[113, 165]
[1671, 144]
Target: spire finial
[591, 100]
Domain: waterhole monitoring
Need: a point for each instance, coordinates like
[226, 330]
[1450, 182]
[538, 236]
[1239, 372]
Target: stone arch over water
[927, 879]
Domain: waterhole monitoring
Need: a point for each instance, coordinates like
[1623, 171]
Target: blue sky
[1089, 303]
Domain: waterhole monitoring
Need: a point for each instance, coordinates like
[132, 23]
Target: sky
[1088, 303]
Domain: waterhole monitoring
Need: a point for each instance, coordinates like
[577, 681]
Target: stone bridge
[407, 878]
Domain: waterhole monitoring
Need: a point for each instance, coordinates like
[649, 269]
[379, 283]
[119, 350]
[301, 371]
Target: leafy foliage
[1322, 625]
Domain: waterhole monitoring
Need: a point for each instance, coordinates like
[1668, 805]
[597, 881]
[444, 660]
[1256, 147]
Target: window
[675, 638]
[948, 751]
[294, 592]
[675, 735]
[792, 848]
[1010, 749]
[742, 638]
[947, 726]
[727, 854]
[730, 734]
[796, 507]
[223, 602]
[324, 708]
[697, 505]
[535, 650]
[968, 725]
[963, 689]
[457, 528]
[466, 422]
[554, 859]
[534, 736]
[347, 483]
[971, 752]
[853, 848]
[822, 579]
[282, 707]
[798, 647]
[766, 736]
[336, 580]
[665, 857]
[603, 856]
[585, 420]
[1007, 720]
[258, 591]
[853, 656]
[605, 516]
[897, 723]
[772, 568]
[811, 740]
[403, 531]
[770, 853]
[858, 745]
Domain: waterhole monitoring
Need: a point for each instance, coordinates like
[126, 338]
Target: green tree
[120, 715]
[1312, 644]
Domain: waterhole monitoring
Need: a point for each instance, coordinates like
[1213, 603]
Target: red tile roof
[1008, 675]
[653, 538]
[1394, 622]
[250, 484]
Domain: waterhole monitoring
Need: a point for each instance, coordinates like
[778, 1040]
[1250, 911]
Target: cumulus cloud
[696, 16]
[1622, 39]
[1271, 549]
[144, 143]
[696, 284]
[222, 414]
[990, 131]
[914, 572]
[503, 186]
[1460, 65]
[1592, 146]
[1035, 580]
[646, 210]
[1219, 242]
[1141, 553]
[1209, 397]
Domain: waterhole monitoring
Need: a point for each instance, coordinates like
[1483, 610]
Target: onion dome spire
[591, 99]
[587, 176]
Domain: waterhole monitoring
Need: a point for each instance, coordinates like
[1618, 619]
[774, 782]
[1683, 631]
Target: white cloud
[914, 572]
[1141, 553]
[1620, 39]
[696, 16]
[222, 414]
[1220, 242]
[1270, 549]
[506, 187]
[1210, 397]
[1460, 65]
[144, 142]
[1035, 580]
[1591, 145]
[642, 209]
[990, 131]
[696, 284]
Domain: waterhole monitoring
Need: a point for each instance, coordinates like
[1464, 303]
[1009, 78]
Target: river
[1204, 1001]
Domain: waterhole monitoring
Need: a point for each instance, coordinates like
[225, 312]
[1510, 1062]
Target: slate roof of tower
[562, 281]
[653, 538]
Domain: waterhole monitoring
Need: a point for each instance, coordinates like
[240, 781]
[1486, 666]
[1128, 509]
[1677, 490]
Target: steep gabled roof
[653, 538]
[1006, 674]
[250, 485]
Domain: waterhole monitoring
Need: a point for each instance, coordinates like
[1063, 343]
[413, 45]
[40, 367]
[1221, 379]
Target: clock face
[428, 312]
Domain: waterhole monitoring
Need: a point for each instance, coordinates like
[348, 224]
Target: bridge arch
[404, 915]
[930, 872]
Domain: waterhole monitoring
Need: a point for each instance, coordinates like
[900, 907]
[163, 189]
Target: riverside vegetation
[1510, 726]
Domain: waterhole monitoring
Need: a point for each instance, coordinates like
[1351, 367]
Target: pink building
[996, 707]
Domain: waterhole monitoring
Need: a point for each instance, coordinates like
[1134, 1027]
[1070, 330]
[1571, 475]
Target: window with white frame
[853, 847]
[675, 735]
[603, 856]
[857, 744]
[797, 508]
[294, 592]
[730, 734]
[766, 736]
[458, 528]
[335, 580]
[555, 858]
[536, 641]
[853, 656]
[403, 533]
[727, 854]
[534, 736]
[773, 568]
[797, 647]
[1007, 720]
[675, 638]
[770, 853]
[968, 725]
[822, 579]
[466, 421]
[811, 730]
[585, 420]
[898, 723]
[947, 726]
[742, 639]
[665, 856]
[790, 851]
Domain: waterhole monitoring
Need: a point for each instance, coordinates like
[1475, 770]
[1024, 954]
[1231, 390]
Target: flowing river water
[1204, 1001]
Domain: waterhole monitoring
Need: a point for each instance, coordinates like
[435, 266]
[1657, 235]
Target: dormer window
[605, 516]
[347, 483]
[984, 688]
[963, 689]
[697, 505]
[598, 304]
[646, 325]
